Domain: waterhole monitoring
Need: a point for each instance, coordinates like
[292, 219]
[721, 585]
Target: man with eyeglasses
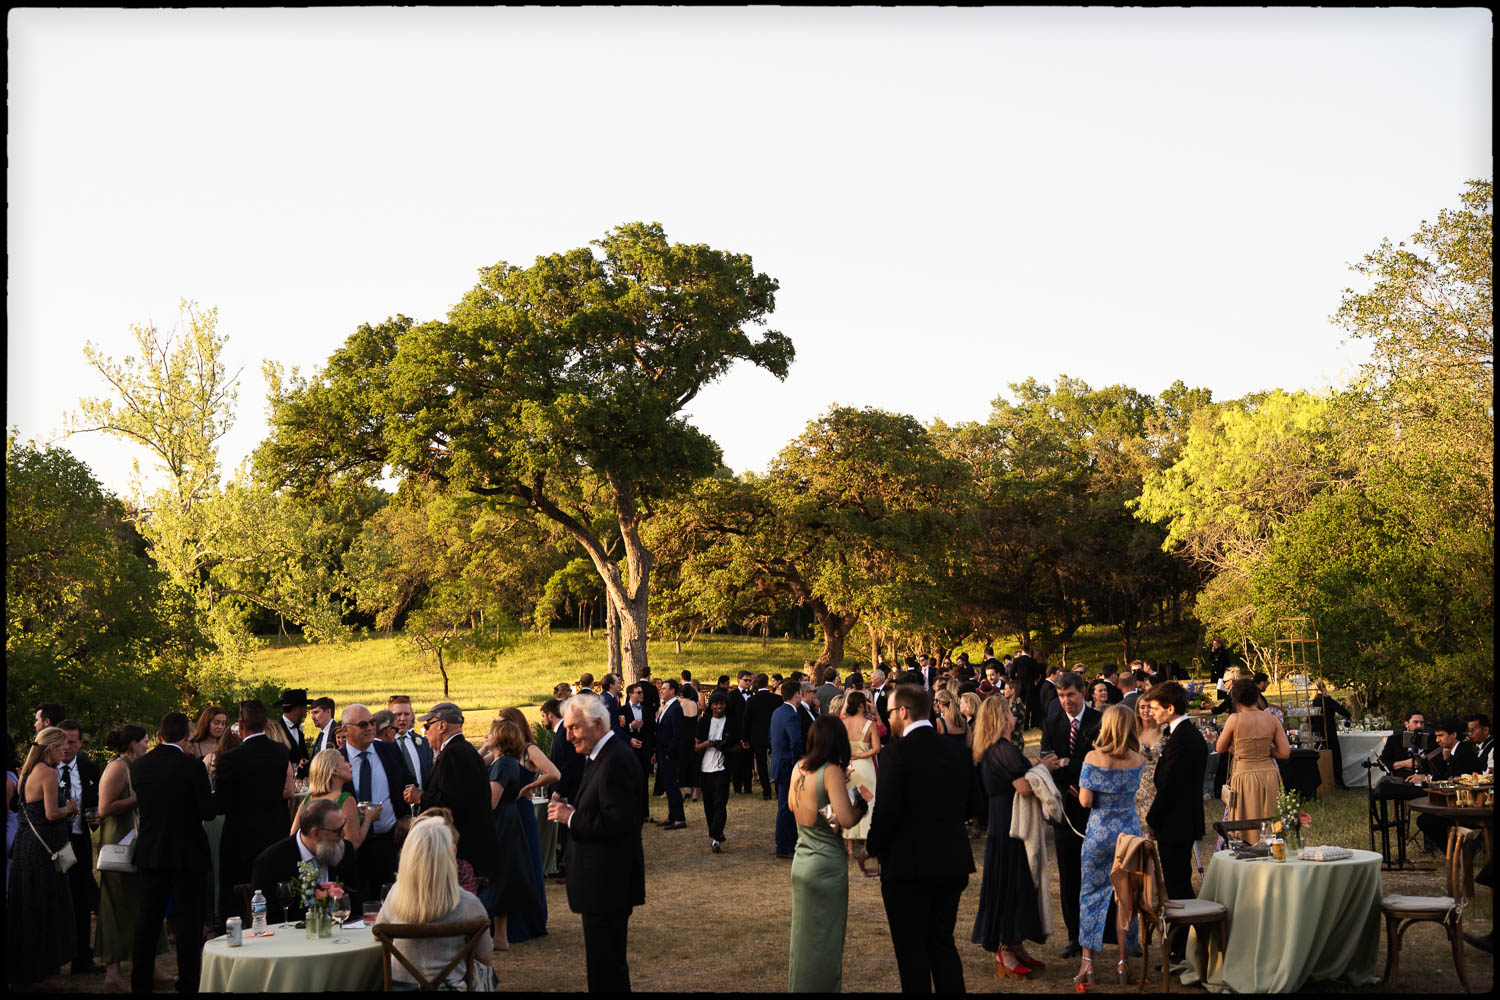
[379, 774]
[319, 839]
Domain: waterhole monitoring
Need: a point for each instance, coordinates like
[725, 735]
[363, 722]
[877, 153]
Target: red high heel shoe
[1017, 971]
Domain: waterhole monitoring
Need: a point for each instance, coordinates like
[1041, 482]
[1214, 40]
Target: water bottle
[258, 913]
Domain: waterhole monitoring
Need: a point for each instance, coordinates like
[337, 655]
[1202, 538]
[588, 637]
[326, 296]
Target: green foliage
[89, 621]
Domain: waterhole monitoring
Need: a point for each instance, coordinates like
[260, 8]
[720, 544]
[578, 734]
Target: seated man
[1483, 743]
[1452, 758]
[319, 839]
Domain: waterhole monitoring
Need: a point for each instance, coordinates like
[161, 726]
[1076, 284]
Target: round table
[1470, 816]
[1292, 922]
[290, 962]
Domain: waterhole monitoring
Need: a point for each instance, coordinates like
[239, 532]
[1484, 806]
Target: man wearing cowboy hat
[293, 705]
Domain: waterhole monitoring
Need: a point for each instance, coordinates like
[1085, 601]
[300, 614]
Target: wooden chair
[388, 934]
[1403, 912]
[1228, 826]
[1171, 915]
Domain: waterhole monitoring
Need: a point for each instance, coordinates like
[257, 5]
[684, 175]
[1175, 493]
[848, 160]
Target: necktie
[362, 782]
[411, 754]
[64, 784]
[1072, 743]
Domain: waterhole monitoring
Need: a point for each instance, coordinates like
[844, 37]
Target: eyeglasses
[359, 725]
[335, 832]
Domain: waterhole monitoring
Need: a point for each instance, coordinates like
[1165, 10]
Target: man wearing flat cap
[459, 783]
[293, 705]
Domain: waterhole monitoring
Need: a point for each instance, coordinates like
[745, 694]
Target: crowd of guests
[898, 771]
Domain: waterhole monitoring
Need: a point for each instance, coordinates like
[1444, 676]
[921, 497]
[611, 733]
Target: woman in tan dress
[1256, 741]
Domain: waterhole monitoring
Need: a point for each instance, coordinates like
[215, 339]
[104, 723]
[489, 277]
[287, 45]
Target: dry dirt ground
[719, 923]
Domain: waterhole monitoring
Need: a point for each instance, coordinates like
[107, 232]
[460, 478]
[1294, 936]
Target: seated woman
[427, 892]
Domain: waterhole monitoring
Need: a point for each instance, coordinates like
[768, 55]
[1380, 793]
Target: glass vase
[319, 923]
[1294, 841]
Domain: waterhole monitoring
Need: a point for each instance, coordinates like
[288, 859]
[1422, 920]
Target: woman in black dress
[39, 907]
[513, 886]
[1009, 914]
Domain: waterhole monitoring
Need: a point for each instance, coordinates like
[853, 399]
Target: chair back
[1226, 827]
[1462, 843]
[389, 934]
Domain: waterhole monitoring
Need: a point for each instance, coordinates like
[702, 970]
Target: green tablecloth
[288, 962]
[1292, 922]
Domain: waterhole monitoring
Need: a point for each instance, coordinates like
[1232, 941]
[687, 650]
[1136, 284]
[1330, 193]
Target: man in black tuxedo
[1453, 757]
[252, 784]
[606, 865]
[927, 669]
[326, 721]
[461, 784]
[611, 690]
[880, 693]
[319, 839]
[293, 705]
[173, 799]
[568, 763]
[640, 730]
[378, 775]
[670, 734]
[758, 711]
[78, 778]
[741, 766]
[805, 714]
[1175, 820]
[413, 747]
[927, 790]
[1066, 738]
[1029, 672]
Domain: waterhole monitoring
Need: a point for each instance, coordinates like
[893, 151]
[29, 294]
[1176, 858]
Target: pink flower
[321, 894]
[335, 891]
[1305, 820]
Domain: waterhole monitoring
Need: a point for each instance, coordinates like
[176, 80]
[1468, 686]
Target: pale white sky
[952, 200]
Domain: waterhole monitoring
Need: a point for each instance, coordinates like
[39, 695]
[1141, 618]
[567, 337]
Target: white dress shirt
[380, 788]
[713, 759]
[407, 742]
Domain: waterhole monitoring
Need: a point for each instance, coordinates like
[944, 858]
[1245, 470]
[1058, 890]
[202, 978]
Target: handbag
[121, 857]
[64, 857]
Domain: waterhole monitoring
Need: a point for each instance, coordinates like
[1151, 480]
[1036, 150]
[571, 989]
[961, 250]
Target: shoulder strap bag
[121, 857]
[64, 857]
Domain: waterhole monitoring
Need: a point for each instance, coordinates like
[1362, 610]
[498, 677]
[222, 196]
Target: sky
[952, 200]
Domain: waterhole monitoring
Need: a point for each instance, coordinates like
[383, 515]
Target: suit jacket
[758, 711]
[1131, 697]
[1463, 761]
[881, 699]
[614, 707]
[461, 783]
[928, 788]
[324, 739]
[646, 734]
[424, 755]
[786, 737]
[671, 730]
[929, 676]
[298, 752]
[650, 697]
[397, 773]
[826, 694]
[1176, 814]
[1055, 740]
[606, 865]
[88, 783]
[568, 763]
[248, 784]
[806, 717]
[1047, 694]
[173, 798]
[278, 863]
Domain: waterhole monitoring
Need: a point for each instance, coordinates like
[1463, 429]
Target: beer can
[234, 932]
[1278, 849]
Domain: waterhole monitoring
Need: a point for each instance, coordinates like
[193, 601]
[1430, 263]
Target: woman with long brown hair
[1009, 913]
[209, 730]
[511, 736]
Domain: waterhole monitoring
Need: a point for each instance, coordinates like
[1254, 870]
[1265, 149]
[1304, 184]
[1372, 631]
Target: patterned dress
[1112, 814]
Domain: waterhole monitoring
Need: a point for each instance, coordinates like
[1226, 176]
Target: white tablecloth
[1357, 748]
[289, 962]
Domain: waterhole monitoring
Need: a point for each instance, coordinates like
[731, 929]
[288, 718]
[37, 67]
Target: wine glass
[340, 911]
[285, 893]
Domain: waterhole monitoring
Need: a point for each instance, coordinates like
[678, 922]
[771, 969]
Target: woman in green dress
[119, 892]
[820, 870]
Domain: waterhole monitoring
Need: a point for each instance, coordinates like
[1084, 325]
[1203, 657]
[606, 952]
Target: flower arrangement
[1291, 820]
[1201, 697]
[317, 898]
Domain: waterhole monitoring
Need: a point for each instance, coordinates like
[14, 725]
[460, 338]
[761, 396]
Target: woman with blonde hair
[968, 706]
[1009, 913]
[864, 747]
[466, 877]
[947, 719]
[427, 892]
[1107, 785]
[327, 776]
[39, 908]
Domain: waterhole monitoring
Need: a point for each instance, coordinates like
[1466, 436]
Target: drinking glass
[285, 893]
[340, 912]
[385, 890]
[371, 910]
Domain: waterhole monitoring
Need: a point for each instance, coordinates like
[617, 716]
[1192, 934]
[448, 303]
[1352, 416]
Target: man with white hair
[606, 867]
[879, 692]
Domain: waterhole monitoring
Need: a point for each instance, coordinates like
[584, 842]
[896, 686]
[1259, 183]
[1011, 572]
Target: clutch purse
[118, 857]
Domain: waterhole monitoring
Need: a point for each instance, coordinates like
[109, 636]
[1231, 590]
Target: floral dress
[1112, 814]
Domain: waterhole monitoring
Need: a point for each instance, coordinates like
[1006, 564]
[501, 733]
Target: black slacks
[927, 909]
[715, 801]
[604, 939]
[1177, 870]
[186, 890]
[85, 893]
[377, 859]
[666, 772]
[762, 757]
[643, 758]
[1069, 874]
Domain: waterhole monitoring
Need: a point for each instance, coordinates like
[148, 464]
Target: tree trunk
[765, 633]
[442, 670]
[590, 618]
[874, 647]
[835, 629]
[612, 636]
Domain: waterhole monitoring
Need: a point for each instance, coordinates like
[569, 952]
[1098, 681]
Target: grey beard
[329, 854]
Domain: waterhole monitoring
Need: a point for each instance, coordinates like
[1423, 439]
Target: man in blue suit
[786, 749]
[669, 741]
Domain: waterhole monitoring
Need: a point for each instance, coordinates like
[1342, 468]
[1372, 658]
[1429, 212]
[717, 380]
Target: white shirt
[659, 714]
[713, 759]
[408, 743]
[1175, 723]
[305, 855]
[914, 726]
[380, 788]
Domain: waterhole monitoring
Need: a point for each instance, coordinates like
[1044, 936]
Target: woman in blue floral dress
[1107, 786]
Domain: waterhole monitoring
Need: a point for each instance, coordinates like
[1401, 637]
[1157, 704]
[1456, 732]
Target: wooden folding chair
[1226, 827]
[1403, 912]
[1171, 915]
[389, 934]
